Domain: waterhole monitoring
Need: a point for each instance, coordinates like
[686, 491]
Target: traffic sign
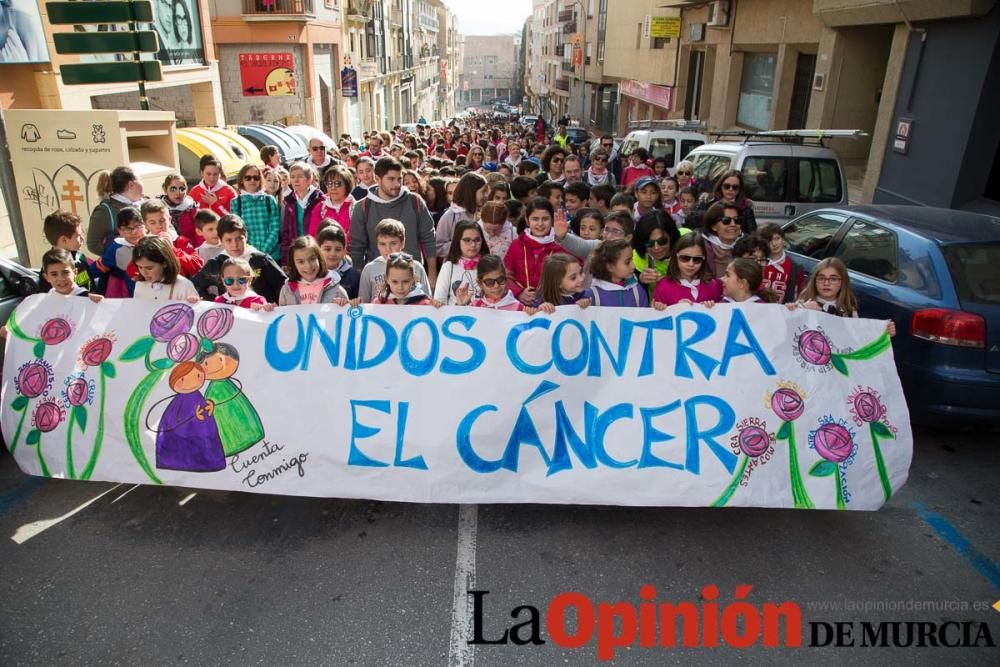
[72, 43]
[72, 13]
[128, 71]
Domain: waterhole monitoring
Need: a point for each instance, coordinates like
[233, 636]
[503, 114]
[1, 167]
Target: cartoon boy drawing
[188, 437]
[239, 424]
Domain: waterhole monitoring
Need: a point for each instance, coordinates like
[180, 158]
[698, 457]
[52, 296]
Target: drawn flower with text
[755, 446]
[867, 408]
[814, 351]
[788, 403]
[834, 442]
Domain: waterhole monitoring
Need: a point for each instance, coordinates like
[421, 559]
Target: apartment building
[490, 64]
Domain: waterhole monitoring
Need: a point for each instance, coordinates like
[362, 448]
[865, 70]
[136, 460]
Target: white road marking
[186, 499]
[136, 486]
[29, 530]
[460, 652]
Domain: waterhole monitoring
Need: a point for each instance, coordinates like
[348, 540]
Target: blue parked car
[936, 273]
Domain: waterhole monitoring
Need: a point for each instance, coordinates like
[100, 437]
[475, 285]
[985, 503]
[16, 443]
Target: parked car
[577, 135]
[784, 175]
[671, 140]
[16, 282]
[935, 273]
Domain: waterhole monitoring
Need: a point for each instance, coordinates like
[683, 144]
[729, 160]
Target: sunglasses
[691, 259]
[229, 282]
[730, 186]
[730, 220]
[600, 160]
[251, 177]
[683, 173]
[661, 242]
[606, 145]
[557, 159]
[493, 282]
[177, 188]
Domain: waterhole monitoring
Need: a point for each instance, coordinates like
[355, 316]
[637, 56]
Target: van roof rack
[790, 136]
[678, 124]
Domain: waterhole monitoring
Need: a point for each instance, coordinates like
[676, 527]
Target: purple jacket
[290, 220]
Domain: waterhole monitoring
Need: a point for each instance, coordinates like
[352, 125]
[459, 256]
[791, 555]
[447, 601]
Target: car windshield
[973, 267]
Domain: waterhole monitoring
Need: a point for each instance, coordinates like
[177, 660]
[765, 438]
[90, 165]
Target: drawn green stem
[15, 329]
[99, 436]
[840, 490]
[70, 470]
[799, 494]
[41, 459]
[17, 433]
[733, 484]
[883, 475]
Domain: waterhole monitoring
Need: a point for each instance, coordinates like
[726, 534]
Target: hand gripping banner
[747, 405]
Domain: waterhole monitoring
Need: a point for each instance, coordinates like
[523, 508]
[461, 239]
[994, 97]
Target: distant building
[490, 66]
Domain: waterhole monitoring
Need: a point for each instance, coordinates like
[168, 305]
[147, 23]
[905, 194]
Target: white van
[669, 139]
[783, 175]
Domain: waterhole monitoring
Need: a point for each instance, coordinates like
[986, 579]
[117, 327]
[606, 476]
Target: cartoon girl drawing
[188, 437]
[239, 424]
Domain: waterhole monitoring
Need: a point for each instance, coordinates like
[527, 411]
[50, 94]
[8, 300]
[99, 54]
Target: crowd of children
[406, 222]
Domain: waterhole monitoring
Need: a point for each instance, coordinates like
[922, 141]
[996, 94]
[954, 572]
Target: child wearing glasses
[115, 271]
[237, 279]
[491, 278]
[259, 210]
[688, 278]
[828, 290]
[309, 281]
[401, 288]
[468, 246]
[614, 282]
[722, 228]
[181, 207]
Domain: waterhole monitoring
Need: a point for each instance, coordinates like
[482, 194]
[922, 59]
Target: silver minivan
[668, 139]
[784, 177]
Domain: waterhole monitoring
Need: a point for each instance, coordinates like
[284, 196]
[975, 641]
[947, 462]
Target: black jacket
[268, 277]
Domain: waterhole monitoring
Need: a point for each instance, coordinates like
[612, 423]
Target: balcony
[360, 11]
[562, 84]
[396, 17]
[278, 10]
[565, 15]
[569, 28]
[560, 50]
[567, 66]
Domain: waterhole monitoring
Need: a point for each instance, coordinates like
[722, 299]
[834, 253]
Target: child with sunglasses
[491, 277]
[688, 278]
[181, 207]
[237, 277]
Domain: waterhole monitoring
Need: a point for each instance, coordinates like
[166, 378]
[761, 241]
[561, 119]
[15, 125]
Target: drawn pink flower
[33, 378]
[215, 323]
[78, 390]
[48, 415]
[833, 442]
[753, 441]
[96, 351]
[55, 331]
[814, 347]
[182, 347]
[868, 407]
[787, 404]
[170, 321]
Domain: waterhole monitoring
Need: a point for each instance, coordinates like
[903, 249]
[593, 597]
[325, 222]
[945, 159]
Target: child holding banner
[159, 277]
[689, 279]
[743, 282]
[829, 291]
[562, 282]
[309, 281]
[492, 280]
[401, 286]
[614, 282]
[458, 270]
[526, 256]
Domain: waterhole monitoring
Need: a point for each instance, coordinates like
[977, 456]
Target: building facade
[490, 64]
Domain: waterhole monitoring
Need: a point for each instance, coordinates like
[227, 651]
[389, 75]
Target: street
[117, 574]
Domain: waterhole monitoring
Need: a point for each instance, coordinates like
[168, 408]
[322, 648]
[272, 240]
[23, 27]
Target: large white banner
[731, 406]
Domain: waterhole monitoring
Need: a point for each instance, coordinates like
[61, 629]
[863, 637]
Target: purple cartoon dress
[185, 442]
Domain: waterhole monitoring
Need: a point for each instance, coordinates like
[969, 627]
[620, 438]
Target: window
[6, 290]
[628, 147]
[665, 148]
[756, 90]
[810, 236]
[659, 42]
[766, 178]
[688, 145]
[708, 168]
[819, 181]
[869, 249]
[974, 270]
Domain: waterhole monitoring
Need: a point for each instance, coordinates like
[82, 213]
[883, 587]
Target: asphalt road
[160, 576]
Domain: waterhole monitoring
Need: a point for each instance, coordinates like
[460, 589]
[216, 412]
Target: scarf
[344, 265]
[714, 240]
[235, 301]
[542, 240]
[467, 264]
[596, 179]
[259, 193]
[692, 285]
[125, 200]
[777, 262]
[507, 299]
[750, 299]
[609, 286]
[304, 203]
[219, 184]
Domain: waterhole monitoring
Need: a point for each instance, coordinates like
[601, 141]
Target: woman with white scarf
[598, 173]
[721, 231]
